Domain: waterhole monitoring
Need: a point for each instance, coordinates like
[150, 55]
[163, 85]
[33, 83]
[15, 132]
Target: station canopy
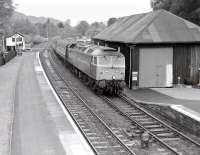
[154, 27]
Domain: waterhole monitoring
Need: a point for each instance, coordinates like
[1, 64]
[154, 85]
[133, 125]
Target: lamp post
[3, 44]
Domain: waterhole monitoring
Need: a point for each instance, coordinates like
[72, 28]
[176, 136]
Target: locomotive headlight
[113, 77]
[106, 71]
[117, 71]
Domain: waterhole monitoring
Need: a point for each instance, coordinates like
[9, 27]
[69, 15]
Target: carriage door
[155, 67]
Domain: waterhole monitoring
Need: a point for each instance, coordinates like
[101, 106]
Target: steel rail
[79, 127]
[136, 122]
[127, 99]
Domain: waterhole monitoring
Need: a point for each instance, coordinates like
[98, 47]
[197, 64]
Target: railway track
[168, 137]
[172, 140]
[109, 117]
[101, 138]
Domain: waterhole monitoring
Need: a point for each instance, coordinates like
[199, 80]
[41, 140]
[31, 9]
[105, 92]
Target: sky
[77, 10]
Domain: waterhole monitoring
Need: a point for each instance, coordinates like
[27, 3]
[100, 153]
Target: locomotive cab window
[118, 61]
[105, 61]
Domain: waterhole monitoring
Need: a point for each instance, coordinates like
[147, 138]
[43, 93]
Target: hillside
[32, 19]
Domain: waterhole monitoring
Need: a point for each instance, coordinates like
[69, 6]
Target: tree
[82, 27]
[95, 28]
[111, 21]
[187, 9]
[60, 25]
[67, 22]
[6, 10]
[158, 4]
[24, 26]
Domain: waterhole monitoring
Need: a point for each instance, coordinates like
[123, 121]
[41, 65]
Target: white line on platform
[84, 142]
[188, 112]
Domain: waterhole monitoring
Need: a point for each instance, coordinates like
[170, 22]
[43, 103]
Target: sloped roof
[154, 27]
[15, 34]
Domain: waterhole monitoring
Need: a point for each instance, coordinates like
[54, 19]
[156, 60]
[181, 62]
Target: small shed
[160, 48]
[15, 41]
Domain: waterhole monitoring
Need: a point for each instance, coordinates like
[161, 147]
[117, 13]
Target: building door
[155, 67]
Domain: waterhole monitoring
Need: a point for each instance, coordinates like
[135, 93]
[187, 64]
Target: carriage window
[118, 61]
[105, 60]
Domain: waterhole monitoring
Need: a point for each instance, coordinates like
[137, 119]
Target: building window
[13, 39]
[19, 39]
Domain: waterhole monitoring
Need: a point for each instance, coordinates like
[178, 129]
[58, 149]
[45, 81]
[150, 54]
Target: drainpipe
[199, 76]
[3, 45]
[130, 65]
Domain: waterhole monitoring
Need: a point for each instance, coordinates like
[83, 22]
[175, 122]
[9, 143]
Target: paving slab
[8, 80]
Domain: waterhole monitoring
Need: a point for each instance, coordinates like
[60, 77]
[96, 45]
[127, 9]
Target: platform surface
[40, 126]
[187, 99]
[9, 74]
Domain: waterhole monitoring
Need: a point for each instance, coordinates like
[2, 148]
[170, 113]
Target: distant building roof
[14, 34]
[154, 27]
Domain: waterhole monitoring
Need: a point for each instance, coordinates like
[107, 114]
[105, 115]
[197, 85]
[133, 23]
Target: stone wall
[2, 60]
[8, 56]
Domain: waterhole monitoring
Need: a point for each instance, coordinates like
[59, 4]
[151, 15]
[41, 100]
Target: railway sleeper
[167, 139]
[158, 130]
[153, 126]
[135, 114]
[165, 135]
[143, 119]
[148, 123]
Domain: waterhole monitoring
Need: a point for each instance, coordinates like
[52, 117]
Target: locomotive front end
[111, 72]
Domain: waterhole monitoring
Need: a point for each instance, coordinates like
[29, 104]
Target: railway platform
[184, 100]
[32, 118]
[188, 97]
[9, 74]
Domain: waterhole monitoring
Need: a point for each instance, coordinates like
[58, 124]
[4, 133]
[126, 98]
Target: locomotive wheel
[87, 82]
[99, 91]
[111, 91]
[84, 78]
[93, 86]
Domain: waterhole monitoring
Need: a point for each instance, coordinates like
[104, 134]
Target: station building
[160, 48]
[15, 41]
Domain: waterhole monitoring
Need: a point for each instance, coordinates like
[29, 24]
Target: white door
[155, 67]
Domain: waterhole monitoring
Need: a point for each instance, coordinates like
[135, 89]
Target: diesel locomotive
[102, 68]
